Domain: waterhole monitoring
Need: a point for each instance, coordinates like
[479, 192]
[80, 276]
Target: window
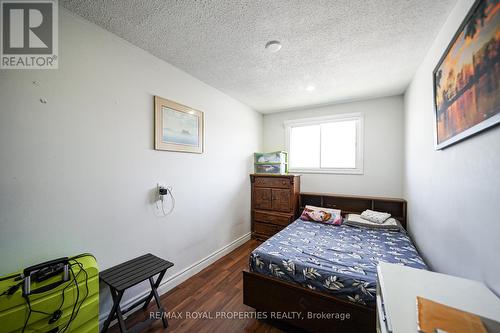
[331, 144]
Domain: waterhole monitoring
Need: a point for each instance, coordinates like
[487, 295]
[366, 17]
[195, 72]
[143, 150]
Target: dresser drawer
[266, 229]
[280, 219]
[277, 182]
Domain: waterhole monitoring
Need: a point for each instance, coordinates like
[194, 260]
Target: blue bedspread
[339, 260]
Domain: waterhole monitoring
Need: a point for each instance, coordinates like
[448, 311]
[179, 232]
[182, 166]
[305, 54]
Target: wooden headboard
[355, 204]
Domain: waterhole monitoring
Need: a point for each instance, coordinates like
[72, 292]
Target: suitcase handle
[35, 268]
[28, 270]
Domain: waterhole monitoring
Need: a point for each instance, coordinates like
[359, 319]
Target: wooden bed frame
[277, 297]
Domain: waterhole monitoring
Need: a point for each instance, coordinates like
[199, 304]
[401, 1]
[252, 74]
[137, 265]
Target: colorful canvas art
[467, 78]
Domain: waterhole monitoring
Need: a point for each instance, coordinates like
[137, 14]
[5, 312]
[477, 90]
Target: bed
[326, 272]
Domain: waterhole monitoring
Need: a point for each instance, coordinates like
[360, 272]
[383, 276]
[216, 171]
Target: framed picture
[467, 77]
[178, 127]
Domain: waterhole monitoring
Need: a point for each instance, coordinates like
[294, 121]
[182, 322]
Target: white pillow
[377, 217]
[357, 221]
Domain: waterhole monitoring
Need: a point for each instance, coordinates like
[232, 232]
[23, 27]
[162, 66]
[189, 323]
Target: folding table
[128, 274]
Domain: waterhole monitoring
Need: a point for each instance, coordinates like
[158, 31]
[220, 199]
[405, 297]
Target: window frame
[359, 117]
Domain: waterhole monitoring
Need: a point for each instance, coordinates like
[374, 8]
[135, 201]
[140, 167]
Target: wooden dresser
[275, 201]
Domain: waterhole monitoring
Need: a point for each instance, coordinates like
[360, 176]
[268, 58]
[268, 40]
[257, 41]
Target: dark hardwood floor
[217, 288]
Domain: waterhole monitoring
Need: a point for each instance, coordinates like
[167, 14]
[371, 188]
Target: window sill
[329, 171]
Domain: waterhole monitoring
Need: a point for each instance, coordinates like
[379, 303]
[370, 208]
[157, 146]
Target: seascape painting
[467, 78]
[179, 127]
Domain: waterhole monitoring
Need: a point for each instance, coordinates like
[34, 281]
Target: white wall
[383, 147]
[453, 194]
[78, 173]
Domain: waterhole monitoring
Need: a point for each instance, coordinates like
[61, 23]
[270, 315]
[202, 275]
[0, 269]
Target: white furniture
[398, 286]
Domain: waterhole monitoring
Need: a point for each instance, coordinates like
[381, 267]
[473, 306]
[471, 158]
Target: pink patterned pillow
[323, 215]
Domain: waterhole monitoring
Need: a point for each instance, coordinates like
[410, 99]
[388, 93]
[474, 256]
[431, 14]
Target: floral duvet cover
[338, 260]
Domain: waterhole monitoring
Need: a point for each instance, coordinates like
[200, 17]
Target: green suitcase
[58, 296]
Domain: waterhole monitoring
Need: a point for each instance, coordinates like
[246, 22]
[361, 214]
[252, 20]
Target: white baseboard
[178, 278]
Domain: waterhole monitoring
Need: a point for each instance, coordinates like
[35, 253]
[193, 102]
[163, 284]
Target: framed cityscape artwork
[467, 77]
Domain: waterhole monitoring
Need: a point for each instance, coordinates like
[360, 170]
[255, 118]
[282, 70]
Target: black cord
[11, 290]
[71, 318]
[31, 310]
[76, 307]
[82, 269]
[29, 314]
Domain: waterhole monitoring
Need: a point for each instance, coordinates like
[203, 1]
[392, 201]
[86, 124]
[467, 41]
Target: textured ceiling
[347, 49]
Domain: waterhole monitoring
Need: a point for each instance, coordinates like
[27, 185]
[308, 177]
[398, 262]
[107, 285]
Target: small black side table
[126, 275]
